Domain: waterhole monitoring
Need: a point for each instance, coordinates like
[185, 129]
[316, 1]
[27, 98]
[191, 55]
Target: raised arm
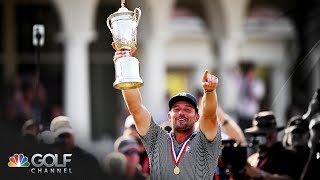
[230, 127]
[133, 100]
[208, 123]
[139, 112]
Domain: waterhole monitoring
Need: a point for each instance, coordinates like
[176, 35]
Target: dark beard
[185, 128]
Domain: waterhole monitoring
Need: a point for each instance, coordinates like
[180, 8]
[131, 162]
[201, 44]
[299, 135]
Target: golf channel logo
[48, 163]
[18, 160]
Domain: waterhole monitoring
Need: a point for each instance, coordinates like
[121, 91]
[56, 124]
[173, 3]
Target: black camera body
[233, 158]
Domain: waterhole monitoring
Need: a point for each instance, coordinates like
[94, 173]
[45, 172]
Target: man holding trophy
[184, 153]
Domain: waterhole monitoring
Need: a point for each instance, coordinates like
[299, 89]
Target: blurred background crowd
[265, 53]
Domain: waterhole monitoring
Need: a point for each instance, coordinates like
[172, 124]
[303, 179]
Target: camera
[233, 158]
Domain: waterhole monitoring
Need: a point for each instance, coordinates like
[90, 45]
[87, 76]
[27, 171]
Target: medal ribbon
[263, 162]
[176, 159]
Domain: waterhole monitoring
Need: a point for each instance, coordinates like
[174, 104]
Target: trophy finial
[122, 3]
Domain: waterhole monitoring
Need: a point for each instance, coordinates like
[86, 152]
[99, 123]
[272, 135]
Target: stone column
[76, 36]
[280, 91]
[228, 85]
[9, 42]
[226, 23]
[153, 67]
[77, 85]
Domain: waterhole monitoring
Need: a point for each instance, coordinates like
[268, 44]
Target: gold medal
[176, 170]
[176, 158]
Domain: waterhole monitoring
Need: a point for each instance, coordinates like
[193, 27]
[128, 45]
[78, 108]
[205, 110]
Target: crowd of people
[199, 140]
[295, 155]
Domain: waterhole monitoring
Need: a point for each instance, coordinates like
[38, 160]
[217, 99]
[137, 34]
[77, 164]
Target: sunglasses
[299, 131]
[64, 135]
[130, 152]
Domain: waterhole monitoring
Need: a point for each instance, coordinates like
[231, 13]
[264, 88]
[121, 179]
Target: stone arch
[19, 59]
[269, 22]
[215, 17]
[106, 101]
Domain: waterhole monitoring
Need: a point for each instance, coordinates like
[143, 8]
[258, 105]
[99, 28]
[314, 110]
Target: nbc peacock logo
[18, 160]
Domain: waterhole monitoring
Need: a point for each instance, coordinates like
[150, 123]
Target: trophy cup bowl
[123, 25]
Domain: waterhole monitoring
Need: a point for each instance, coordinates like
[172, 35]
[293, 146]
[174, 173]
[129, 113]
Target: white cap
[60, 125]
[26, 128]
[129, 122]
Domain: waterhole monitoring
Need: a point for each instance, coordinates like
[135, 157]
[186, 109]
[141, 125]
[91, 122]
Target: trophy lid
[122, 11]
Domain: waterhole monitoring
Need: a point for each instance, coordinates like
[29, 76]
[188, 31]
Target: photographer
[313, 114]
[84, 165]
[296, 139]
[272, 160]
[312, 166]
[232, 161]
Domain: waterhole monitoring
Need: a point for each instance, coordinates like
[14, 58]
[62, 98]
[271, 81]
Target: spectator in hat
[30, 131]
[311, 168]
[313, 115]
[63, 134]
[272, 160]
[30, 134]
[130, 129]
[296, 139]
[84, 165]
[115, 165]
[296, 134]
[128, 146]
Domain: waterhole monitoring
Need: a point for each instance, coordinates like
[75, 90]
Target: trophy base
[127, 73]
[127, 85]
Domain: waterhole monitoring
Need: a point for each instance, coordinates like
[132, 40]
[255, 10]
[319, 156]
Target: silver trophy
[123, 25]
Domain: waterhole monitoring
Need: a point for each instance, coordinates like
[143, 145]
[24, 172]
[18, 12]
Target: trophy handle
[108, 24]
[137, 14]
